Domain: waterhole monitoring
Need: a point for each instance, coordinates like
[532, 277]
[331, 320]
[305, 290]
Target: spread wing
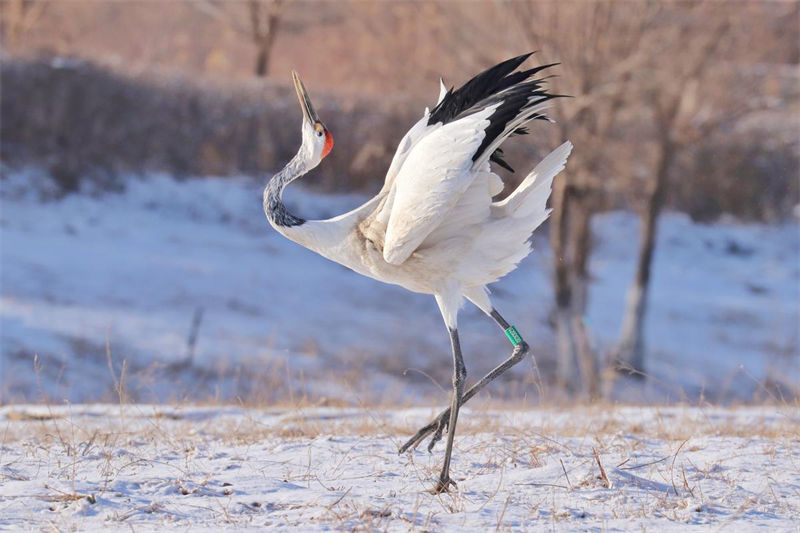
[433, 177]
[436, 160]
[411, 138]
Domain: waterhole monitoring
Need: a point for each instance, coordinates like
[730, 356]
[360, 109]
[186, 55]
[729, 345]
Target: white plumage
[434, 227]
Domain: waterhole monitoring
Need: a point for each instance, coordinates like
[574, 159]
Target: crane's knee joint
[521, 349]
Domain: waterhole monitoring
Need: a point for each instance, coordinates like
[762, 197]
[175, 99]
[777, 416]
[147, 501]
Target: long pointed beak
[309, 114]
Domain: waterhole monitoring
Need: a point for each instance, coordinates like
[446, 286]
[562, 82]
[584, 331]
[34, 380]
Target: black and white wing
[437, 160]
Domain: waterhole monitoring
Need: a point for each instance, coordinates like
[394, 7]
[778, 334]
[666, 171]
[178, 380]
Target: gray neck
[276, 212]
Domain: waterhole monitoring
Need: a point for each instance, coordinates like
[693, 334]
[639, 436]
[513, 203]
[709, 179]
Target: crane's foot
[443, 485]
[436, 426]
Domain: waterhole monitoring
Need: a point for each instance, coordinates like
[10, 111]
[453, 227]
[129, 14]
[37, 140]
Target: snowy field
[99, 280]
[156, 468]
[101, 293]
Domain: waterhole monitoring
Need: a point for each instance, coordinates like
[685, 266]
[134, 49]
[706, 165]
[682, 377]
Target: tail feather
[506, 240]
[530, 197]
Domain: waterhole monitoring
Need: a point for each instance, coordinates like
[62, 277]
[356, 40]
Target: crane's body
[434, 227]
[477, 242]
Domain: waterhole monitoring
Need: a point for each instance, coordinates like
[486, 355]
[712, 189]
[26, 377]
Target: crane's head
[317, 140]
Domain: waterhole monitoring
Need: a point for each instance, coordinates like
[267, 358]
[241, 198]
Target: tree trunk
[17, 17]
[566, 362]
[631, 348]
[588, 364]
[571, 242]
[262, 62]
[580, 240]
[264, 20]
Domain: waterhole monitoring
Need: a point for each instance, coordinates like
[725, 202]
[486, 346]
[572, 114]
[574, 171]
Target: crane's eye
[319, 134]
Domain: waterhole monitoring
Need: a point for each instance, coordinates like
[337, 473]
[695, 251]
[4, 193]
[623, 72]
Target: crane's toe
[443, 485]
[441, 424]
[436, 426]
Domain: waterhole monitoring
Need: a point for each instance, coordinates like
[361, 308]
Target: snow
[98, 293]
[157, 467]
[98, 279]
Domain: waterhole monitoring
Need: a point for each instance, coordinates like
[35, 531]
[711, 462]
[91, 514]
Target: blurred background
[136, 136]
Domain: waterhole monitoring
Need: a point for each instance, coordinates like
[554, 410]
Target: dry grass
[240, 425]
[306, 416]
[561, 466]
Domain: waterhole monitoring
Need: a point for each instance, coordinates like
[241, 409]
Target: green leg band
[514, 336]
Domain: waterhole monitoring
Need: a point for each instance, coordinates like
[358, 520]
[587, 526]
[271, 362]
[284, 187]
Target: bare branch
[214, 9]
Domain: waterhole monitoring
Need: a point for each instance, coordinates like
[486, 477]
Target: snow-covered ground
[157, 468]
[118, 277]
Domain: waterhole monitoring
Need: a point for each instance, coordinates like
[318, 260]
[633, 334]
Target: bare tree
[695, 52]
[600, 47]
[260, 23]
[18, 17]
[264, 21]
[637, 75]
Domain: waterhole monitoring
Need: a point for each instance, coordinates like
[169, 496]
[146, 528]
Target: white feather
[442, 91]
[433, 227]
[531, 195]
[412, 137]
[510, 127]
[431, 181]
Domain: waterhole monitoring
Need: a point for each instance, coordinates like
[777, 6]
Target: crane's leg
[449, 301]
[443, 420]
[459, 377]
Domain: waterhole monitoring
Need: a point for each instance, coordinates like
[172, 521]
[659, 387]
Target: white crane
[434, 228]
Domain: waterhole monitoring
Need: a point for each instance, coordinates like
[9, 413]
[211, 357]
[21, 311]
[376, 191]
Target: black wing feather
[498, 84]
[478, 88]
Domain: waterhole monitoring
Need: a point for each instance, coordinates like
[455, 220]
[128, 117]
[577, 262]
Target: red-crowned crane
[433, 228]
